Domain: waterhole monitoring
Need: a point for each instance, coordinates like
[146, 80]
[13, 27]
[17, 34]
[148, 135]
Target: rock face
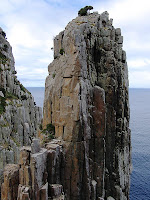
[86, 99]
[29, 179]
[19, 117]
[11, 181]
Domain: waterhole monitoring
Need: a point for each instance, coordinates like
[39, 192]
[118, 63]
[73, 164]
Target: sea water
[38, 94]
[140, 137]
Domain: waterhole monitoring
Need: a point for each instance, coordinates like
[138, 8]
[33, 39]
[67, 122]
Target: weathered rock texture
[19, 117]
[86, 99]
[29, 179]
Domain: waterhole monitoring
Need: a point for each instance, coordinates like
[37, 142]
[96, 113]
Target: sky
[31, 26]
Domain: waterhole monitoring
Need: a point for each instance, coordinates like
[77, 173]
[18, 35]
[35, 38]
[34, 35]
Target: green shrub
[22, 88]
[50, 128]
[41, 127]
[9, 95]
[15, 141]
[51, 136]
[54, 75]
[14, 72]
[23, 97]
[62, 51]
[3, 58]
[2, 104]
[3, 91]
[5, 48]
[49, 131]
[83, 11]
[3, 34]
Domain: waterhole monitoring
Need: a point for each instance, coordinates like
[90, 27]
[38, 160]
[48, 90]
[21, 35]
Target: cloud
[32, 25]
[36, 76]
[125, 10]
[139, 79]
[139, 63]
[45, 60]
[132, 17]
[130, 11]
[21, 34]
[6, 7]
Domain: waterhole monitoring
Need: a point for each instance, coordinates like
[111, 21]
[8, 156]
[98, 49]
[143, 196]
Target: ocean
[140, 137]
[38, 94]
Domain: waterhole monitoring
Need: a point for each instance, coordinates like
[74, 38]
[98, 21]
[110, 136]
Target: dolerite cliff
[86, 136]
[86, 99]
[19, 117]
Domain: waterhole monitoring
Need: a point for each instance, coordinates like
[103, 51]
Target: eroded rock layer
[19, 117]
[31, 178]
[86, 99]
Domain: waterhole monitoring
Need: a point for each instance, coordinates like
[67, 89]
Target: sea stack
[87, 101]
[84, 146]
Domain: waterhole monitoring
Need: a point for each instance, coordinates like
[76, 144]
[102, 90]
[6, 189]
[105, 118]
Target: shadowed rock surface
[29, 179]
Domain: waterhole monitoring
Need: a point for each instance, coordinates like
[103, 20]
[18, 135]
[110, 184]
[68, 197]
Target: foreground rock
[30, 179]
[19, 117]
[86, 99]
[11, 181]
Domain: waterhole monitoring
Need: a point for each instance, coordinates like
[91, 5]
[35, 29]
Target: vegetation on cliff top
[83, 11]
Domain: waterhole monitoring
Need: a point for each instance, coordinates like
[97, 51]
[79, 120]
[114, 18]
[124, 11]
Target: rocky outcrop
[86, 99]
[11, 181]
[19, 117]
[29, 179]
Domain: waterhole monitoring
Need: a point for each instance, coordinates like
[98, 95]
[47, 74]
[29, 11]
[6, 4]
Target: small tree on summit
[83, 11]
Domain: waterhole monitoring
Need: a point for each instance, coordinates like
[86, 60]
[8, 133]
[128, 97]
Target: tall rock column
[86, 99]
